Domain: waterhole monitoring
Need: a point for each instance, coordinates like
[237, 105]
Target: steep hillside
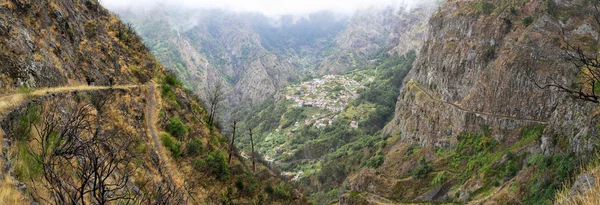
[88, 116]
[376, 30]
[471, 125]
[255, 55]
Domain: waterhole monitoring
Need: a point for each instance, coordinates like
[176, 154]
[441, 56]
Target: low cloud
[268, 7]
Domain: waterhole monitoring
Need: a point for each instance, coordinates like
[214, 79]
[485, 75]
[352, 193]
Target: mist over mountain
[300, 102]
[253, 54]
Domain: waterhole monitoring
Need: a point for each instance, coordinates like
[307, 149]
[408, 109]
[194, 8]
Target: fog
[268, 7]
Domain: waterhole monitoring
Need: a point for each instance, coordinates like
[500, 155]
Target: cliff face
[46, 44]
[392, 30]
[470, 109]
[480, 68]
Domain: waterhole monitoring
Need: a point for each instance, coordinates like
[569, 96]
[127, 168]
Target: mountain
[471, 124]
[254, 55]
[88, 116]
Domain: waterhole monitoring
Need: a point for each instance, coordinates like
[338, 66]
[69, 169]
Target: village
[322, 100]
[331, 94]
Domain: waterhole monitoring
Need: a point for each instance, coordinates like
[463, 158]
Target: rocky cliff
[471, 125]
[391, 30]
[45, 44]
[480, 65]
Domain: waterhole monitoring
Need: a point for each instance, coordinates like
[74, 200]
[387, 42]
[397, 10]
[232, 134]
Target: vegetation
[195, 148]
[527, 21]
[176, 128]
[215, 164]
[422, 169]
[173, 146]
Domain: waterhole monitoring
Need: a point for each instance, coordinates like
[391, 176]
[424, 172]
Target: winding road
[478, 112]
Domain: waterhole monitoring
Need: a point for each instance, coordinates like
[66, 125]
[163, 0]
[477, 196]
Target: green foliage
[332, 173]
[439, 178]
[384, 91]
[215, 164]
[172, 81]
[195, 147]
[173, 146]
[527, 21]
[422, 170]
[32, 115]
[283, 191]
[176, 128]
[27, 167]
[485, 7]
[239, 184]
[376, 161]
[269, 189]
[551, 172]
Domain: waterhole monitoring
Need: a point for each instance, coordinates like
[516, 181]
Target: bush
[172, 80]
[173, 146]
[439, 178]
[376, 161]
[217, 165]
[269, 189]
[239, 184]
[527, 21]
[176, 128]
[195, 148]
[422, 170]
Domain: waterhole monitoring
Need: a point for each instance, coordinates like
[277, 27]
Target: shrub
[195, 148]
[422, 170]
[239, 184]
[269, 189]
[376, 161]
[217, 165]
[173, 146]
[527, 21]
[172, 80]
[439, 178]
[176, 128]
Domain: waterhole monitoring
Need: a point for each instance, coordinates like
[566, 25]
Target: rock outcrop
[479, 67]
[44, 44]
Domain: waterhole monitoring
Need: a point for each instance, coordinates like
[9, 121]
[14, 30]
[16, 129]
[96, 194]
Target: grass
[591, 197]
[8, 192]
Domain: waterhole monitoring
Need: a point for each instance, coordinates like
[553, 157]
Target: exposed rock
[474, 71]
[582, 184]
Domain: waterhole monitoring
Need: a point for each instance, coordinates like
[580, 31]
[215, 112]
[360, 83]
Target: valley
[299, 102]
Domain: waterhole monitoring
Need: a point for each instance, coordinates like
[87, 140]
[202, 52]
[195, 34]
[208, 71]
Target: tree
[253, 160]
[215, 96]
[588, 87]
[72, 141]
[232, 141]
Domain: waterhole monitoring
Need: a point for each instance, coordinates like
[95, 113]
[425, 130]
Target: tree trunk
[253, 161]
[232, 141]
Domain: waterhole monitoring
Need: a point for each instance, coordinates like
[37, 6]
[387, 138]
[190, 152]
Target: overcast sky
[268, 7]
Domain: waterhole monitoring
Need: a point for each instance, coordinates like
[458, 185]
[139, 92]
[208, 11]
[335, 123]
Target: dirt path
[477, 112]
[167, 169]
[10, 101]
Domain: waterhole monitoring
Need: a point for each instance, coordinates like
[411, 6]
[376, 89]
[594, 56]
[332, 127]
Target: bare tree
[215, 96]
[589, 82]
[80, 163]
[231, 146]
[253, 160]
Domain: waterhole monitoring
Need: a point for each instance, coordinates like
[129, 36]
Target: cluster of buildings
[331, 93]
